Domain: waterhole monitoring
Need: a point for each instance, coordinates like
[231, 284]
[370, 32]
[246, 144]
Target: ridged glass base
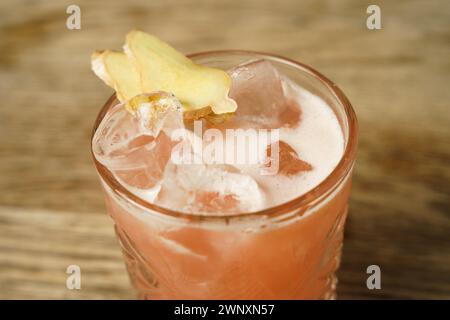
[316, 281]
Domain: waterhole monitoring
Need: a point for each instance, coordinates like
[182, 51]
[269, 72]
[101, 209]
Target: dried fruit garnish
[116, 70]
[207, 114]
[162, 68]
[151, 65]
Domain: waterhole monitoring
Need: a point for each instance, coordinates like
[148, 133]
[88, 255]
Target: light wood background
[51, 207]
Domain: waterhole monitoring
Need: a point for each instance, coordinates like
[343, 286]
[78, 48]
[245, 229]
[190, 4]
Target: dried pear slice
[219, 118]
[116, 70]
[162, 68]
[196, 114]
[207, 114]
[161, 101]
[151, 108]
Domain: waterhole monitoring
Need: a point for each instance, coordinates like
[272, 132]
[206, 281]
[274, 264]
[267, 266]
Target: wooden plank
[37, 246]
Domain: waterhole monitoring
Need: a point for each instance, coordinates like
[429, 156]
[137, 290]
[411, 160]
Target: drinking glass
[290, 251]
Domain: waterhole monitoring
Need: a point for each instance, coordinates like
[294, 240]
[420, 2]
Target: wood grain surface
[51, 207]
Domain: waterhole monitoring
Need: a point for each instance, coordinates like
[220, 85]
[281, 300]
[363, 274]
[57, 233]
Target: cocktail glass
[290, 251]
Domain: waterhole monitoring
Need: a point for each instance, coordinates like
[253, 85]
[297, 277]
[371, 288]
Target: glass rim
[305, 200]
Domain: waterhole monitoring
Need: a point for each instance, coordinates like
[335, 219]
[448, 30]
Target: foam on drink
[317, 139]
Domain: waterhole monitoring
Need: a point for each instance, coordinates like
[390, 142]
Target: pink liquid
[293, 261]
[260, 257]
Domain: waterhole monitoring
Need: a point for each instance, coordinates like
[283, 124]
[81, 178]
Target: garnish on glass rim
[150, 65]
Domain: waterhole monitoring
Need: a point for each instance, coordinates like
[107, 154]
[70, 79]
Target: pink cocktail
[231, 231]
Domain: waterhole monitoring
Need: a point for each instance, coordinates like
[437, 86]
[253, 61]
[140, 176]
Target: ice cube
[136, 145]
[211, 189]
[285, 160]
[144, 166]
[257, 87]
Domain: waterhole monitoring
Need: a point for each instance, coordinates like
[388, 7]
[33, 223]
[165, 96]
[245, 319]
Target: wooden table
[51, 207]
